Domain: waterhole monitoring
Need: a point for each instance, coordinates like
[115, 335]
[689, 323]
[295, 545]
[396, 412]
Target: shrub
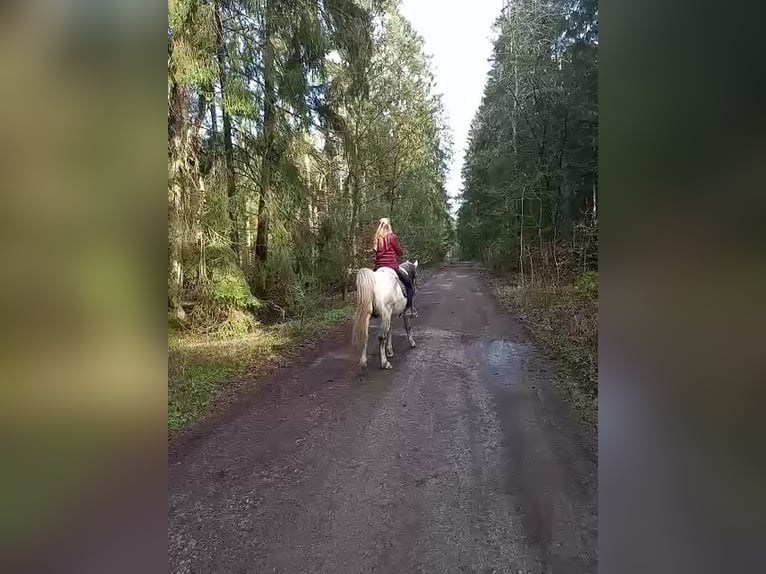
[230, 288]
[587, 284]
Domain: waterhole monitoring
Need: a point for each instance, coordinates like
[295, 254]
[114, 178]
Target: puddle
[503, 353]
[330, 356]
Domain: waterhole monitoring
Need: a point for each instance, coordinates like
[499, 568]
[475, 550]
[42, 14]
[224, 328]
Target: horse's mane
[409, 269]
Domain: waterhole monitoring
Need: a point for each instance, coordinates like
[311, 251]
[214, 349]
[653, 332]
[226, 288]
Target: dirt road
[459, 459]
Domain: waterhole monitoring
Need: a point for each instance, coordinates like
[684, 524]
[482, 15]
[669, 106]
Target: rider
[387, 251]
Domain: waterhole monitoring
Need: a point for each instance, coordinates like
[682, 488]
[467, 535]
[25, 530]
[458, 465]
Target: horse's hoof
[412, 344]
[386, 365]
[363, 365]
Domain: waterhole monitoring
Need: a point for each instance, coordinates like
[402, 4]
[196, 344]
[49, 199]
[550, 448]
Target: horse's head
[411, 269]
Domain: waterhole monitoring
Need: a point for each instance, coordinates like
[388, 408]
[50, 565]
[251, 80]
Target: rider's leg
[408, 288]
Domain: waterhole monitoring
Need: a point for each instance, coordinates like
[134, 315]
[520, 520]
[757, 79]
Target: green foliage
[229, 287]
[331, 261]
[200, 367]
[530, 181]
[192, 31]
[306, 120]
[500, 255]
[530, 172]
[587, 284]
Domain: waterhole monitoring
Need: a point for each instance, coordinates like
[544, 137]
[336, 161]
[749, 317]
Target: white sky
[458, 35]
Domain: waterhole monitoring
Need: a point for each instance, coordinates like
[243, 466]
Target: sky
[458, 36]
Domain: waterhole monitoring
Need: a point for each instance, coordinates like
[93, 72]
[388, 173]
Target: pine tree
[530, 172]
[293, 125]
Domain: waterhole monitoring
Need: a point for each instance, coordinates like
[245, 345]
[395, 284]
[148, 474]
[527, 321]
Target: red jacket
[387, 252]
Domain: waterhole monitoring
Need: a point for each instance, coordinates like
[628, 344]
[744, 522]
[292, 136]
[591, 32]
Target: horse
[381, 294]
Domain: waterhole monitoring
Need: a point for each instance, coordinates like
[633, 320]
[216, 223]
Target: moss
[229, 287]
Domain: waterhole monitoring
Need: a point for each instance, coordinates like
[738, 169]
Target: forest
[530, 179]
[293, 125]
[531, 168]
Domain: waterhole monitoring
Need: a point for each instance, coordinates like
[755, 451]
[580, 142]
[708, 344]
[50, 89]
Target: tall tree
[189, 47]
[530, 173]
[293, 125]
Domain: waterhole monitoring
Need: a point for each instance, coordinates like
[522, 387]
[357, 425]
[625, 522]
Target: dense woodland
[530, 173]
[293, 125]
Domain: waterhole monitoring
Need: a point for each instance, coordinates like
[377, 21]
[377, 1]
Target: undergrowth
[227, 340]
[203, 365]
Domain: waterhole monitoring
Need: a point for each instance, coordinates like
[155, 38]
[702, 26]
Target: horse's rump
[382, 294]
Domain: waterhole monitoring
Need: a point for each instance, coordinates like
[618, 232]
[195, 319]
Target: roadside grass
[563, 322]
[202, 368]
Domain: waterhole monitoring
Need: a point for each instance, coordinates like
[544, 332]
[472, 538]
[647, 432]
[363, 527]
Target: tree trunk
[543, 254]
[594, 199]
[176, 131]
[353, 191]
[214, 118]
[269, 124]
[556, 208]
[312, 213]
[199, 234]
[521, 238]
[514, 114]
[197, 205]
[393, 188]
[351, 151]
[356, 200]
[262, 231]
[228, 146]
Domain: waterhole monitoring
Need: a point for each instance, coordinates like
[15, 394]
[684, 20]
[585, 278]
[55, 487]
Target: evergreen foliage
[293, 125]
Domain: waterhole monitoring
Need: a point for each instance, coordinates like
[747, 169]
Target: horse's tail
[365, 290]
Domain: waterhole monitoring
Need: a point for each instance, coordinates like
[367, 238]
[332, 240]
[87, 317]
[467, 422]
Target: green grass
[206, 369]
[201, 368]
[563, 321]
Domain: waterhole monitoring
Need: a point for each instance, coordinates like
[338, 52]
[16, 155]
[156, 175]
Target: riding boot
[404, 278]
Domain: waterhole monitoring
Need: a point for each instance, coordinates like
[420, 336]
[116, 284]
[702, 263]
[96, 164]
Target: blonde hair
[384, 228]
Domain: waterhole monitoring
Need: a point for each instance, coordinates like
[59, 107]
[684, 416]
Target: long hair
[383, 230]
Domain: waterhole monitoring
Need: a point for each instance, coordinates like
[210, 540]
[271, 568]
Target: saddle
[402, 286]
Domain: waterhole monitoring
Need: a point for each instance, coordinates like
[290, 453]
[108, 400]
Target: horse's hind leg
[389, 344]
[364, 336]
[383, 335]
[408, 328]
[363, 357]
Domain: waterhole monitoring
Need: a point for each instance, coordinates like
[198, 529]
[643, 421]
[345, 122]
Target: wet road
[459, 459]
